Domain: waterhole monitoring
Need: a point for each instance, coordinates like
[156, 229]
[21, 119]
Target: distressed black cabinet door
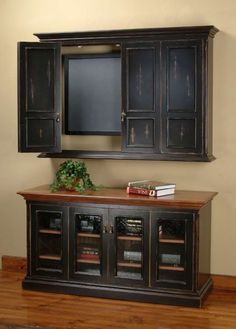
[48, 239]
[128, 253]
[88, 244]
[182, 105]
[39, 97]
[140, 80]
[172, 250]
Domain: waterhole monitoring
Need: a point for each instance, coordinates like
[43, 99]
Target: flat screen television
[93, 94]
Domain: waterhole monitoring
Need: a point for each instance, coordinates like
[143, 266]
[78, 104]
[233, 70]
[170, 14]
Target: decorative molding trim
[19, 264]
[14, 264]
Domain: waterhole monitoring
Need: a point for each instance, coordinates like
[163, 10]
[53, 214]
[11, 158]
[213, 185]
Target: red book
[143, 191]
[138, 190]
[89, 257]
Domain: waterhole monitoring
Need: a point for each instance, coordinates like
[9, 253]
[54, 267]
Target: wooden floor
[21, 309]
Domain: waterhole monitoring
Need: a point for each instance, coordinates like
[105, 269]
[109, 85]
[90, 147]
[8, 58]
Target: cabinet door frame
[189, 260]
[34, 122]
[129, 212]
[85, 277]
[33, 228]
[128, 113]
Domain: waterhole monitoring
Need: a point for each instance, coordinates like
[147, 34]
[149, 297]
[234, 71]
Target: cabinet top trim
[208, 30]
[181, 199]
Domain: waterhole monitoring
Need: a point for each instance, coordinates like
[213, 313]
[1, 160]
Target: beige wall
[20, 19]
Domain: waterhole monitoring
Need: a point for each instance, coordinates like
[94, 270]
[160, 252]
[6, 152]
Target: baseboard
[224, 282]
[14, 264]
[19, 264]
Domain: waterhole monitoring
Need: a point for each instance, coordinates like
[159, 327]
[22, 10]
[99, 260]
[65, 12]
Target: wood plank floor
[21, 309]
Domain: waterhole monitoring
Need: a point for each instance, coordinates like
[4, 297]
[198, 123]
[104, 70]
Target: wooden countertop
[181, 199]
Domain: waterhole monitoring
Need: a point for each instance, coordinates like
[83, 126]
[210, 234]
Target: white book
[152, 185]
[167, 191]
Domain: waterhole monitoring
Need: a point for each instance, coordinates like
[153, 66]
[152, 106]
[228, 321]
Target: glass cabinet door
[87, 242]
[48, 234]
[129, 260]
[172, 251]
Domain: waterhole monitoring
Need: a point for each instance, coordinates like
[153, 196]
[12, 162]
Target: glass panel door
[171, 251]
[172, 258]
[129, 259]
[87, 241]
[49, 239]
[48, 235]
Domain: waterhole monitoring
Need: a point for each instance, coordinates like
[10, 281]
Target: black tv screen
[93, 94]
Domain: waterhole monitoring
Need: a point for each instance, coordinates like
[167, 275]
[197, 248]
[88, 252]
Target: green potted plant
[73, 176]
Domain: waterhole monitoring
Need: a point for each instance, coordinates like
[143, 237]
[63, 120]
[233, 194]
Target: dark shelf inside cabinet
[50, 257]
[172, 268]
[169, 239]
[89, 235]
[129, 264]
[88, 261]
[129, 238]
[45, 231]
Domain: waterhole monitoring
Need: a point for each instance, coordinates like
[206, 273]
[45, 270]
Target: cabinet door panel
[48, 242]
[40, 79]
[182, 106]
[181, 86]
[181, 133]
[39, 97]
[172, 257]
[140, 132]
[40, 132]
[129, 252]
[141, 83]
[88, 244]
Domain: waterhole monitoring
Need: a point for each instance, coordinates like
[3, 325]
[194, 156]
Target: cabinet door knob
[58, 118]
[104, 229]
[111, 229]
[123, 115]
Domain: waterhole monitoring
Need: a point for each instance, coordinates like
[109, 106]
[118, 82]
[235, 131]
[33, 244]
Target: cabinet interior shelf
[48, 231]
[88, 261]
[172, 268]
[129, 238]
[127, 264]
[166, 239]
[88, 235]
[50, 257]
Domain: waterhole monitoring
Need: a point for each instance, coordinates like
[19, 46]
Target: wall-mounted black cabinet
[165, 95]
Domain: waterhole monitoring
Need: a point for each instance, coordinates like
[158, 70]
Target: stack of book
[89, 253]
[151, 188]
